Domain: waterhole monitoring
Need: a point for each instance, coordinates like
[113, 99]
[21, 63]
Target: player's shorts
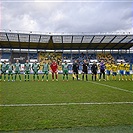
[102, 71]
[27, 72]
[3, 72]
[121, 72]
[65, 72]
[108, 72]
[10, 73]
[55, 71]
[114, 73]
[45, 72]
[94, 72]
[17, 72]
[85, 72]
[75, 72]
[35, 73]
[127, 73]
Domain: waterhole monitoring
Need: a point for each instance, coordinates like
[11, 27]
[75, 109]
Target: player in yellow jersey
[114, 69]
[121, 67]
[127, 71]
[108, 70]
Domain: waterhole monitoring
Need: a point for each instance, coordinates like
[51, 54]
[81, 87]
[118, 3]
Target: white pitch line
[63, 104]
[113, 87]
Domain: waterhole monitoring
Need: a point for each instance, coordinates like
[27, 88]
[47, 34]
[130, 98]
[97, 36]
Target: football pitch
[66, 107]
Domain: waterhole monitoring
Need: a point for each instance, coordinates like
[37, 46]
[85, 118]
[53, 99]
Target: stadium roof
[51, 41]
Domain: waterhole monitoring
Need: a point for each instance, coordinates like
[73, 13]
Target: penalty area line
[113, 87]
[64, 104]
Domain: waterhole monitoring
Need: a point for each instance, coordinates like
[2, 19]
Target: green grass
[71, 116]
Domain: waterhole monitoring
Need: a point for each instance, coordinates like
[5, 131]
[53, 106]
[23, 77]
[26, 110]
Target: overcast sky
[67, 16]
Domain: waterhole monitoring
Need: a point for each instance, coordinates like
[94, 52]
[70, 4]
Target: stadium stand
[22, 57]
[33, 55]
[49, 56]
[5, 55]
[127, 57]
[66, 56]
[106, 57]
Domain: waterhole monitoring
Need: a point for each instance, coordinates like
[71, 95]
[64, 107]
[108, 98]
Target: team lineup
[107, 71]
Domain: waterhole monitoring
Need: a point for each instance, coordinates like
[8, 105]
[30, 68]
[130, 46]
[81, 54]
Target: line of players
[108, 68]
[114, 68]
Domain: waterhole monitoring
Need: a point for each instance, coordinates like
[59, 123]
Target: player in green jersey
[3, 70]
[17, 67]
[35, 68]
[65, 70]
[45, 70]
[27, 68]
[10, 71]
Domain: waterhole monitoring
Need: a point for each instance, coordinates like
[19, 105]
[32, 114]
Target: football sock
[37, 77]
[15, 76]
[77, 77]
[63, 76]
[47, 77]
[4, 76]
[12, 77]
[28, 76]
[25, 76]
[19, 77]
[67, 76]
[56, 76]
[95, 77]
[34, 77]
[86, 77]
[43, 77]
[52, 75]
[8, 77]
[83, 77]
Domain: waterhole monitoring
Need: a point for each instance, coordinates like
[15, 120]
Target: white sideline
[63, 104]
[113, 87]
